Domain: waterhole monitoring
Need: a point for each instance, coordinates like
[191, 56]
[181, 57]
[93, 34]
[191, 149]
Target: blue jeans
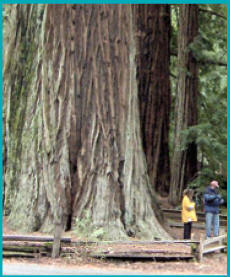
[212, 220]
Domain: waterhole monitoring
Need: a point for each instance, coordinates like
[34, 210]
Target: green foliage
[210, 45]
[210, 135]
[84, 229]
[194, 247]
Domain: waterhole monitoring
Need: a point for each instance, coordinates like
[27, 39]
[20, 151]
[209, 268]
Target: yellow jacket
[188, 214]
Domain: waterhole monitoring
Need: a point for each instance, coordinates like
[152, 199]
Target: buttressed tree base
[72, 121]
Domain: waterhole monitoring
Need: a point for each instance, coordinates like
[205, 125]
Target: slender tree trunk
[184, 161]
[77, 128]
[153, 36]
[3, 158]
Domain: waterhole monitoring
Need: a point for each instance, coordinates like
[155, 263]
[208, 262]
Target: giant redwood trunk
[184, 161]
[72, 123]
[153, 36]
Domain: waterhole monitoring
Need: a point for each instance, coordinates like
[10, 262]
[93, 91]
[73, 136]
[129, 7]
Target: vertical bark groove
[87, 149]
[153, 55]
[184, 162]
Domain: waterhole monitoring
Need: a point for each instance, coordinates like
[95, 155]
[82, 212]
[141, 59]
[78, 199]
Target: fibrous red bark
[79, 131]
[184, 161]
[153, 56]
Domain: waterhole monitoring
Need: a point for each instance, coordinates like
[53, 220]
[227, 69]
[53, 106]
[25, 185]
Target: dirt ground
[212, 264]
[208, 266]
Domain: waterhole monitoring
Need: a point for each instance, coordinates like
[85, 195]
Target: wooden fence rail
[201, 214]
[32, 238]
[211, 245]
[15, 238]
[176, 216]
[172, 211]
[33, 246]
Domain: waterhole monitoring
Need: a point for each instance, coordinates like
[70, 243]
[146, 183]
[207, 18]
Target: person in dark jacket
[212, 201]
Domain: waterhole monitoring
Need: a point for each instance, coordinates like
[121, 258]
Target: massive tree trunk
[72, 126]
[184, 161]
[153, 36]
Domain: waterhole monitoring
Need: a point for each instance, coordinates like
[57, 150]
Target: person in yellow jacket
[188, 212]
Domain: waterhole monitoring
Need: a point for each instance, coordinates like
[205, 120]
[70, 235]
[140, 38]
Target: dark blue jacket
[212, 201]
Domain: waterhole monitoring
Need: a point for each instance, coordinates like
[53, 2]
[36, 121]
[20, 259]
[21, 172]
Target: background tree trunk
[72, 126]
[153, 56]
[184, 161]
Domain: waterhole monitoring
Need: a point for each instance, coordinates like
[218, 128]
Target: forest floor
[83, 262]
[215, 264]
[208, 266]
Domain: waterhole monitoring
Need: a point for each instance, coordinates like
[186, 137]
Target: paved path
[35, 269]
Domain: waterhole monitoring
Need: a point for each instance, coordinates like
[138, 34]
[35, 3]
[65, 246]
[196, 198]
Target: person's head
[189, 193]
[214, 185]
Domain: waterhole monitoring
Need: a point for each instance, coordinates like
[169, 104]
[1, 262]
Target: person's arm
[190, 208]
[209, 197]
[221, 200]
[188, 205]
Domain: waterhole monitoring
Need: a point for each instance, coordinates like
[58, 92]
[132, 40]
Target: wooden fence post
[58, 229]
[200, 250]
[221, 243]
